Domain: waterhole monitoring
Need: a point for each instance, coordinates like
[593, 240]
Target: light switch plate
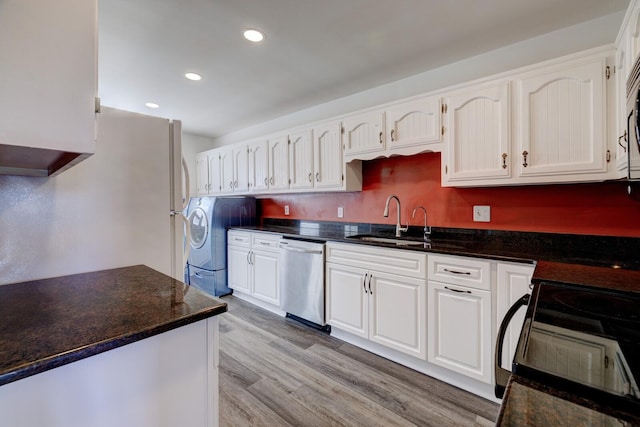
[286, 209]
[340, 212]
[482, 213]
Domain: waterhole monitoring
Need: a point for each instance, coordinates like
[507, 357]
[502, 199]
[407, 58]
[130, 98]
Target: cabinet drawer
[265, 241]
[392, 261]
[470, 272]
[239, 238]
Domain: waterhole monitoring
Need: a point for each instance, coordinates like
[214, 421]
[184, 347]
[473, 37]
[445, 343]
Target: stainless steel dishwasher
[301, 265]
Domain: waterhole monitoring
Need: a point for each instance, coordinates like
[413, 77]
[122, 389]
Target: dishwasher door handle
[294, 249]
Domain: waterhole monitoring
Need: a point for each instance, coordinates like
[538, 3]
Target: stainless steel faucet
[427, 230]
[399, 227]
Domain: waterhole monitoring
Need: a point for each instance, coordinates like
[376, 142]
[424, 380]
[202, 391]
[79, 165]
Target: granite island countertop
[52, 322]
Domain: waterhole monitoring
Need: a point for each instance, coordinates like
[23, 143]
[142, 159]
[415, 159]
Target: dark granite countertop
[49, 323]
[512, 246]
[585, 275]
[529, 403]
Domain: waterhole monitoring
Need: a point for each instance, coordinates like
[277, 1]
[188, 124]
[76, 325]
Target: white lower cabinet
[367, 297]
[459, 325]
[252, 262]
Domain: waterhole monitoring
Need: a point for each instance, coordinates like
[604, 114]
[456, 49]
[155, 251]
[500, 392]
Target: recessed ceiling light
[152, 105]
[193, 76]
[253, 35]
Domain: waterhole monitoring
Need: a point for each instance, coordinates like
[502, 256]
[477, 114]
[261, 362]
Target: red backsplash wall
[599, 209]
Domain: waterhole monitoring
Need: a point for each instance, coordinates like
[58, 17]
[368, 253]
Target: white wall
[111, 210]
[568, 40]
[193, 144]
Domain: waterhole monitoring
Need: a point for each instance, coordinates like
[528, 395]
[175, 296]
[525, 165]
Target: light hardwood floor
[277, 372]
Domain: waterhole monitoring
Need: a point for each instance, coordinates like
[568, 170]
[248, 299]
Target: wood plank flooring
[277, 372]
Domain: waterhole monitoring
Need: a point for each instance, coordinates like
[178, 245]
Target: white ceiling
[315, 50]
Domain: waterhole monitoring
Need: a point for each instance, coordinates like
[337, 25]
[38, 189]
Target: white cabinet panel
[202, 174]
[238, 268]
[513, 282]
[215, 173]
[225, 163]
[460, 330]
[477, 134]
[363, 133]
[240, 169]
[328, 160]
[347, 305]
[413, 123]
[398, 313]
[258, 166]
[278, 162]
[562, 121]
[301, 160]
[265, 276]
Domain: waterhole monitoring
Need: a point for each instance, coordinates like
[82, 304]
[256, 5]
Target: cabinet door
[278, 163]
[347, 305]
[460, 330]
[241, 169]
[562, 121]
[265, 276]
[327, 156]
[513, 283]
[413, 123]
[215, 173]
[301, 160]
[477, 132]
[227, 178]
[363, 134]
[622, 71]
[238, 268]
[258, 166]
[49, 74]
[398, 313]
[202, 174]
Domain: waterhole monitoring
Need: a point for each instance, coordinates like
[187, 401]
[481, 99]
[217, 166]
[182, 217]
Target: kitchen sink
[388, 240]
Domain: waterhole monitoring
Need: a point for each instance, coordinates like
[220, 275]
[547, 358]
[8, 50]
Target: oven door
[633, 126]
[502, 375]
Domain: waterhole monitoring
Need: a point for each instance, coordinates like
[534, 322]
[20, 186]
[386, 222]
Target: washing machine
[209, 218]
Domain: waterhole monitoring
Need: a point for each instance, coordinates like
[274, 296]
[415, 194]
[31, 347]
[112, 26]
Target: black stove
[583, 340]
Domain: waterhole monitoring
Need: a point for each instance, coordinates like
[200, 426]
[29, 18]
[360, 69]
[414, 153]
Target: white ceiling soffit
[315, 50]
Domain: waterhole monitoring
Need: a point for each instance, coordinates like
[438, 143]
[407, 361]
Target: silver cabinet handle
[364, 282]
[271, 181]
[457, 290]
[457, 272]
[380, 136]
[393, 135]
[294, 249]
[310, 177]
[265, 181]
[318, 176]
[370, 291]
[231, 184]
[249, 257]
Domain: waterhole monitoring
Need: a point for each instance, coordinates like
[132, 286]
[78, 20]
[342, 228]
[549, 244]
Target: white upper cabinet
[48, 86]
[477, 134]
[413, 123]
[278, 162]
[562, 120]
[546, 125]
[258, 152]
[202, 174]
[363, 136]
[215, 172]
[327, 156]
[240, 168]
[225, 163]
[301, 160]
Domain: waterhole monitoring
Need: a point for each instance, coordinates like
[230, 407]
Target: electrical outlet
[482, 213]
[286, 209]
[340, 212]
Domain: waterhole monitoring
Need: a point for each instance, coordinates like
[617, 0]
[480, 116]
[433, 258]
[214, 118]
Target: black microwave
[633, 122]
